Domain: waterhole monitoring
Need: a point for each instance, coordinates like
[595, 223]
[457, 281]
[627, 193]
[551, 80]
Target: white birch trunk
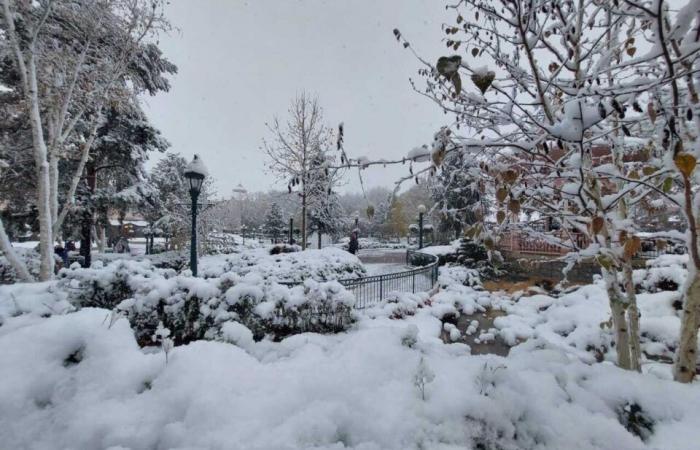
[686, 359]
[632, 319]
[17, 264]
[43, 178]
[53, 179]
[27, 71]
[619, 320]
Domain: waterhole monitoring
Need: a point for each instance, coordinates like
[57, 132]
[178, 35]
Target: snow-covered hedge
[371, 244]
[196, 308]
[320, 265]
[174, 259]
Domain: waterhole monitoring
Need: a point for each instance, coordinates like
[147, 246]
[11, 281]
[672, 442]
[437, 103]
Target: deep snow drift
[78, 380]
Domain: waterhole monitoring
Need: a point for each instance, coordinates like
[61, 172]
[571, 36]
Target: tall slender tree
[294, 146]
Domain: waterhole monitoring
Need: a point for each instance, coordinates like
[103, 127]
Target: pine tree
[454, 189]
[274, 223]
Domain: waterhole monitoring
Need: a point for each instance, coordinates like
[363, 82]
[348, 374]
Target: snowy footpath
[78, 380]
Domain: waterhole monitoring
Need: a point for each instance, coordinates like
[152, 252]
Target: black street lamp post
[195, 172]
[421, 211]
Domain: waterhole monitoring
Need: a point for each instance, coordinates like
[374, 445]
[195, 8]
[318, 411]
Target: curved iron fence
[372, 289]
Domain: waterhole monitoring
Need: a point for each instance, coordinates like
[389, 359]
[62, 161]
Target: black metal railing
[372, 289]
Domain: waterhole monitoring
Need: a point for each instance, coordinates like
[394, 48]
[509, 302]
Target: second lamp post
[421, 211]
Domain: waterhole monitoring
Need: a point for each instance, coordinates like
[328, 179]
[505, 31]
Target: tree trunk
[686, 358]
[88, 219]
[633, 319]
[303, 222]
[17, 264]
[101, 239]
[86, 239]
[53, 181]
[45, 222]
[27, 72]
[619, 320]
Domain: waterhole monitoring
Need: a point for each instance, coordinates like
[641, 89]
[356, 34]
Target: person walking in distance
[354, 245]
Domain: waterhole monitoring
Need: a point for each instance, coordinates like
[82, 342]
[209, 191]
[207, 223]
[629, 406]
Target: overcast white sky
[241, 62]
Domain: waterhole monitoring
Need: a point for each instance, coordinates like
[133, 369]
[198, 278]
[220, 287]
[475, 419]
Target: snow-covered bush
[197, 308]
[174, 259]
[218, 243]
[176, 302]
[29, 256]
[271, 309]
[320, 265]
[372, 244]
[398, 305]
[284, 248]
[665, 273]
[105, 286]
[36, 299]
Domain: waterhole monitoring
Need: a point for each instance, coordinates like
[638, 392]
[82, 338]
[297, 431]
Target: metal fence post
[413, 275]
[381, 287]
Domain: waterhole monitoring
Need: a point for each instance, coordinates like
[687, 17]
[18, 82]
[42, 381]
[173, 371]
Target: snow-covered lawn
[79, 380]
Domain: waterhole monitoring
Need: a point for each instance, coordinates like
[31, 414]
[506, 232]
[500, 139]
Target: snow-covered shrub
[320, 265]
[398, 305]
[36, 299]
[218, 243]
[29, 256]
[451, 275]
[176, 302]
[270, 309]
[459, 293]
[194, 308]
[174, 259]
[665, 273]
[284, 248]
[421, 259]
[371, 244]
[325, 307]
[105, 286]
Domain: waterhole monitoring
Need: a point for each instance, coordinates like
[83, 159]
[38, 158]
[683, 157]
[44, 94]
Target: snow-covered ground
[439, 250]
[78, 379]
[384, 268]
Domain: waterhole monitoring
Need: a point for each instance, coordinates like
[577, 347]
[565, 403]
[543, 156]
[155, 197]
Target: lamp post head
[196, 172]
[421, 209]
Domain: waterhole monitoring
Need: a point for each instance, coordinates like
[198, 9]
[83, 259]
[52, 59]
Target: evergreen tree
[455, 191]
[325, 211]
[274, 223]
